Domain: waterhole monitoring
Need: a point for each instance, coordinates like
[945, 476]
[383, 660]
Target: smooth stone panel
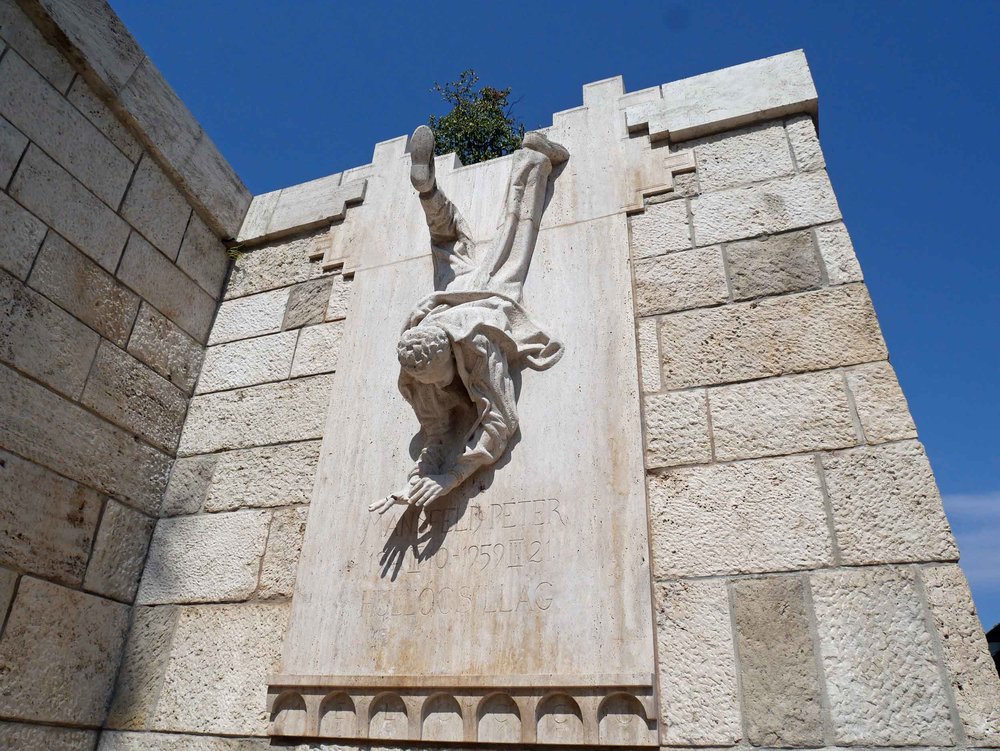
[318, 349]
[260, 477]
[155, 208]
[680, 281]
[247, 362]
[119, 552]
[837, 250]
[738, 157]
[22, 234]
[879, 401]
[245, 317]
[21, 736]
[661, 228]
[281, 559]
[162, 345]
[677, 429]
[773, 265]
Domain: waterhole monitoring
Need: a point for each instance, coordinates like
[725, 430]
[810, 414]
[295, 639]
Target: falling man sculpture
[461, 343]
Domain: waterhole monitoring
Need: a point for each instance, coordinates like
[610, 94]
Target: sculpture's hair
[420, 345]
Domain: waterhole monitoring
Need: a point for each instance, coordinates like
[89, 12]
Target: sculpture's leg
[443, 219]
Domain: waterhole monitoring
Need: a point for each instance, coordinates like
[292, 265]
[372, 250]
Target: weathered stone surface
[698, 700]
[259, 477]
[773, 265]
[58, 434]
[12, 145]
[54, 196]
[837, 251]
[746, 517]
[661, 228]
[163, 285]
[203, 257]
[340, 298]
[56, 641]
[886, 505]
[776, 416]
[745, 156]
[8, 580]
[805, 143]
[276, 264]
[307, 303]
[247, 362]
[77, 284]
[318, 349]
[22, 34]
[187, 489]
[811, 331]
[257, 416]
[24, 737]
[22, 235]
[649, 354]
[164, 347]
[679, 281]
[98, 113]
[119, 552]
[284, 543]
[131, 741]
[155, 208]
[42, 340]
[47, 522]
[880, 403]
[132, 396]
[974, 680]
[882, 677]
[779, 682]
[204, 558]
[764, 208]
[677, 429]
[250, 316]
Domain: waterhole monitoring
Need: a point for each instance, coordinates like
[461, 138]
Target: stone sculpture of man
[461, 342]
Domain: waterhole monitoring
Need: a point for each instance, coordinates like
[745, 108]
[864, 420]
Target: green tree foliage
[480, 125]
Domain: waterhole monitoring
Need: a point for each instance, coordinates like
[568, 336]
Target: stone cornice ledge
[96, 42]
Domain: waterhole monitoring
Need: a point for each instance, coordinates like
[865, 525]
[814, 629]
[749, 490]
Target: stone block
[204, 558]
[187, 489]
[132, 396]
[215, 187]
[974, 681]
[19, 736]
[749, 155]
[766, 208]
[277, 264]
[12, 146]
[680, 281]
[203, 257]
[827, 328]
[166, 287]
[649, 354]
[8, 583]
[132, 741]
[318, 349]
[340, 298]
[698, 700]
[837, 251]
[47, 522]
[119, 552]
[257, 416]
[164, 347]
[882, 678]
[677, 429]
[42, 340]
[58, 434]
[155, 208]
[661, 228]
[776, 416]
[886, 505]
[247, 362]
[107, 122]
[54, 196]
[773, 265]
[59, 653]
[245, 317]
[47, 118]
[20, 32]
[880, 403]
[284, 543]
[747, 517]
[307, 303]
[805, 143]
[22, 234]
[80, 286]
[778, 676]
[266, 476]
[313, 204]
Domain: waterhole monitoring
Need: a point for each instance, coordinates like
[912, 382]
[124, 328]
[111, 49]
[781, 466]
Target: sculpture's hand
[423, 490]
[384, 504]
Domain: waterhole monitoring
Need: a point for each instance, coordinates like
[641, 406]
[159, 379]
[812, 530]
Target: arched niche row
[387, 717]
[559, 719]
[622, 721]
[338, 717]
[288, 714]
[498, 720]
[441, 719]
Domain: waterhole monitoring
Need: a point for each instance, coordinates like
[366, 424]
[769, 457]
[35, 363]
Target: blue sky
[908, 119]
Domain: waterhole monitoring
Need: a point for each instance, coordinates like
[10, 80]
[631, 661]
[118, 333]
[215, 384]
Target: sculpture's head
[424, 352]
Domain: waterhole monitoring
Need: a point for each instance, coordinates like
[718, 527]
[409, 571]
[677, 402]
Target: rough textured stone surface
[805, 143]
[307, 303]
[679, 281]
[661, 228]
[778, 416]
[22, 34]
[190, 479]
[882, 677]
[765, 208]
[249, 316]
[18, 736]
[164, 347]
[746, 517]
[98, 113]
[773, 265]
[698, 700]
[8, 580]
[837, 251]
[257, 416]
[134, 397]
[677, 429]
[880, 403]
[340, 298]
[247, 362]
[22, 234]
[57, 640]
[886, 505]
[318, 349]
[12, 146]
[974, 680]
[203, 257]
[204, 558]
[743, 156]
[649, 354]
[77, 284]
[47, 522]
[155, 208]
[130, 741]
[276, 264]
[119, 552]
[284, 543]
[811, 331]
[779, 681]
[259, 477]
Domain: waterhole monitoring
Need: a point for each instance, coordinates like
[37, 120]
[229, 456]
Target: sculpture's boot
[537, 141]
[422, 159]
